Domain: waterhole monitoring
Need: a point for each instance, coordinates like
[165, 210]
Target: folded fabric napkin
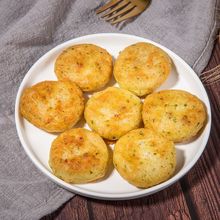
[28, 29]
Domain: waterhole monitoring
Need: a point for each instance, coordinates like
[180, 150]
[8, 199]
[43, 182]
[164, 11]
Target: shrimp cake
[88, 65]
[144, 158]
[113, 112]
[141, 68]
[53, 106]
[79, 156]
[176, 114]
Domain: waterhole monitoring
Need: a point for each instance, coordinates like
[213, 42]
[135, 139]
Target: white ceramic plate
[37, 143]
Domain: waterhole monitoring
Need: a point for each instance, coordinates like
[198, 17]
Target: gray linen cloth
[30, 28]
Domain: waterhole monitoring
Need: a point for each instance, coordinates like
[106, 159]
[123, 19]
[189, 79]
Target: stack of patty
[142, 156]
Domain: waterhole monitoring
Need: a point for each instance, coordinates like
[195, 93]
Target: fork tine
[107, 6]
[131, 14]
[121, 12]
[116, 8]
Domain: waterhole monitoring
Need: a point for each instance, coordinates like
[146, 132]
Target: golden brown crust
[141, 68]
[113, 112]
[144, 158]
[79, 156]
[176, 114]
[52, 106]
[88, 65]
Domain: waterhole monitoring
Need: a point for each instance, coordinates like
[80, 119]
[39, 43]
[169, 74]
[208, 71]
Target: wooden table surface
[195, 196]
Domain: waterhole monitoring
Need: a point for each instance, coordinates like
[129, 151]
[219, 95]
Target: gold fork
[120, 10]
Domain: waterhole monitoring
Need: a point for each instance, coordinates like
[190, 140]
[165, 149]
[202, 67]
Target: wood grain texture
[202, 184]
[167, 204]
[195, 196]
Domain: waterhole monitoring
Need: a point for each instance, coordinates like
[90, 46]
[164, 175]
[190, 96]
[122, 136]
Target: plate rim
[109, 196]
